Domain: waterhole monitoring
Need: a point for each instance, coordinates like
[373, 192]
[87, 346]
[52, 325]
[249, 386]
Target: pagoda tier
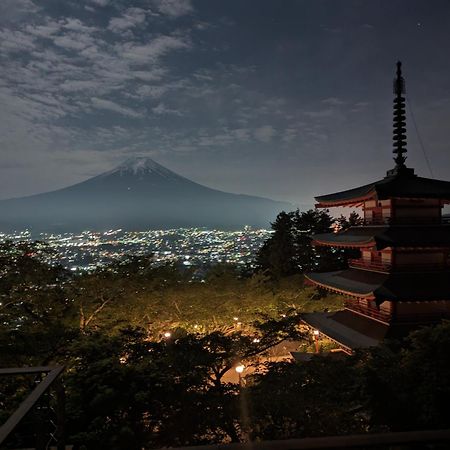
[381, 237]
[397, 185]
[381, 287]
[397, 298]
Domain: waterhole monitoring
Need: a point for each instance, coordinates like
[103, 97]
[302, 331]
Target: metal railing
[409, 439]
[50, 382]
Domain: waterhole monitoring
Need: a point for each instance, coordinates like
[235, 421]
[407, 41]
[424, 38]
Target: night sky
[284, 99]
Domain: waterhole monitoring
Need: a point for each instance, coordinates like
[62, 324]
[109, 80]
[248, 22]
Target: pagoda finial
[399, 119]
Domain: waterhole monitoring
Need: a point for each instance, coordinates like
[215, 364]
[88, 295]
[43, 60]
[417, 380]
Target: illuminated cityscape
[187, 246]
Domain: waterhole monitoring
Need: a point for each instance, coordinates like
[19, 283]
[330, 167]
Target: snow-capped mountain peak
[141, 166]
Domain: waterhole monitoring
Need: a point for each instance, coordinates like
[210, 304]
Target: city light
[88, 250]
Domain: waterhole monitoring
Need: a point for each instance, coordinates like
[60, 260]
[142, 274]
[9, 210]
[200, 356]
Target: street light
[239, 369]
[167, 334]
[316, 334]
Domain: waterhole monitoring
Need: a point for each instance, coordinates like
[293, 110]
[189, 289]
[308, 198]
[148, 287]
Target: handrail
[403, 220]
[333, 442]
[30, 402]
[368, 312]
[369, 265]
[360, 263]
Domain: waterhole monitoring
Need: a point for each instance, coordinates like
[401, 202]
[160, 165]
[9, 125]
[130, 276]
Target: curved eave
[354, 202]
[369, 243]
[328, 287]
[353, 237]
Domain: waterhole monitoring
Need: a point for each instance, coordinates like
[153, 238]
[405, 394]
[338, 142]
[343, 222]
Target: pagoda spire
[399, 119]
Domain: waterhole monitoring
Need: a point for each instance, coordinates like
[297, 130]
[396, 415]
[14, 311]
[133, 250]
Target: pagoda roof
[353, 330]
[397, 184]
[404, 286]
[388, 236]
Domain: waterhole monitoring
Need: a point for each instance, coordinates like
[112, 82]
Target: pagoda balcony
[405, 221]
[374, 266]
[372, 313]
[378, 266]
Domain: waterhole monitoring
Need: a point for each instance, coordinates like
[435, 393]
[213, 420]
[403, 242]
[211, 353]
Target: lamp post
[239, 369]
[316, 339]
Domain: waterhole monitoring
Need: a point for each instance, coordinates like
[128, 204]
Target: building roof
[388, 236]
[397, 184]
[402, 286]
[352, 330]
[348, 329]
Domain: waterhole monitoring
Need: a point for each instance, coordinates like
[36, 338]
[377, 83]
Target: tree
[32, 291]
[407, 382]
[295, 400]
[289, 250]
[353, 220]
[277, 254]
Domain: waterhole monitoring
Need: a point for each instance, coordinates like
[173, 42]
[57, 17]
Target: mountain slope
[137, 195]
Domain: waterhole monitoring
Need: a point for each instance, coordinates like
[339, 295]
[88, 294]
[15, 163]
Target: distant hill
[137, 195]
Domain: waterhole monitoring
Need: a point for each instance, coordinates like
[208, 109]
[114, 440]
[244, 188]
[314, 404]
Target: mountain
[137, 195]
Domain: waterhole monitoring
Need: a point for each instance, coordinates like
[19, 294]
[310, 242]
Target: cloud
[152, 91]
[333, 101]
[173, 8]
[153, 74]
[100, 2]
[13, 10]
[15, 42]
[328, 112]
[162, 109]
[151, 51]
[264, 133]
[290, 134]
[131, 18]
[108, 105]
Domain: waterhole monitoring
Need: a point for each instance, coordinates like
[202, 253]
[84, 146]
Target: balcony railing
[367, 311]
[379, 266]
[376, 266]
[405, 221]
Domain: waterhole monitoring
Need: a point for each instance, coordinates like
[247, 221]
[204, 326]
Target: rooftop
[404, 286]
[399, 184]
[388, 236]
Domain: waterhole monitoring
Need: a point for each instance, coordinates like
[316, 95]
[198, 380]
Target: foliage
[31, 292]
[289, 250]
[407, 385]
[130, 387]
[306, 399]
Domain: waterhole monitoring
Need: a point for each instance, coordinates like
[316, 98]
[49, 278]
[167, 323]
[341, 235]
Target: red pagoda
[402, 278]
